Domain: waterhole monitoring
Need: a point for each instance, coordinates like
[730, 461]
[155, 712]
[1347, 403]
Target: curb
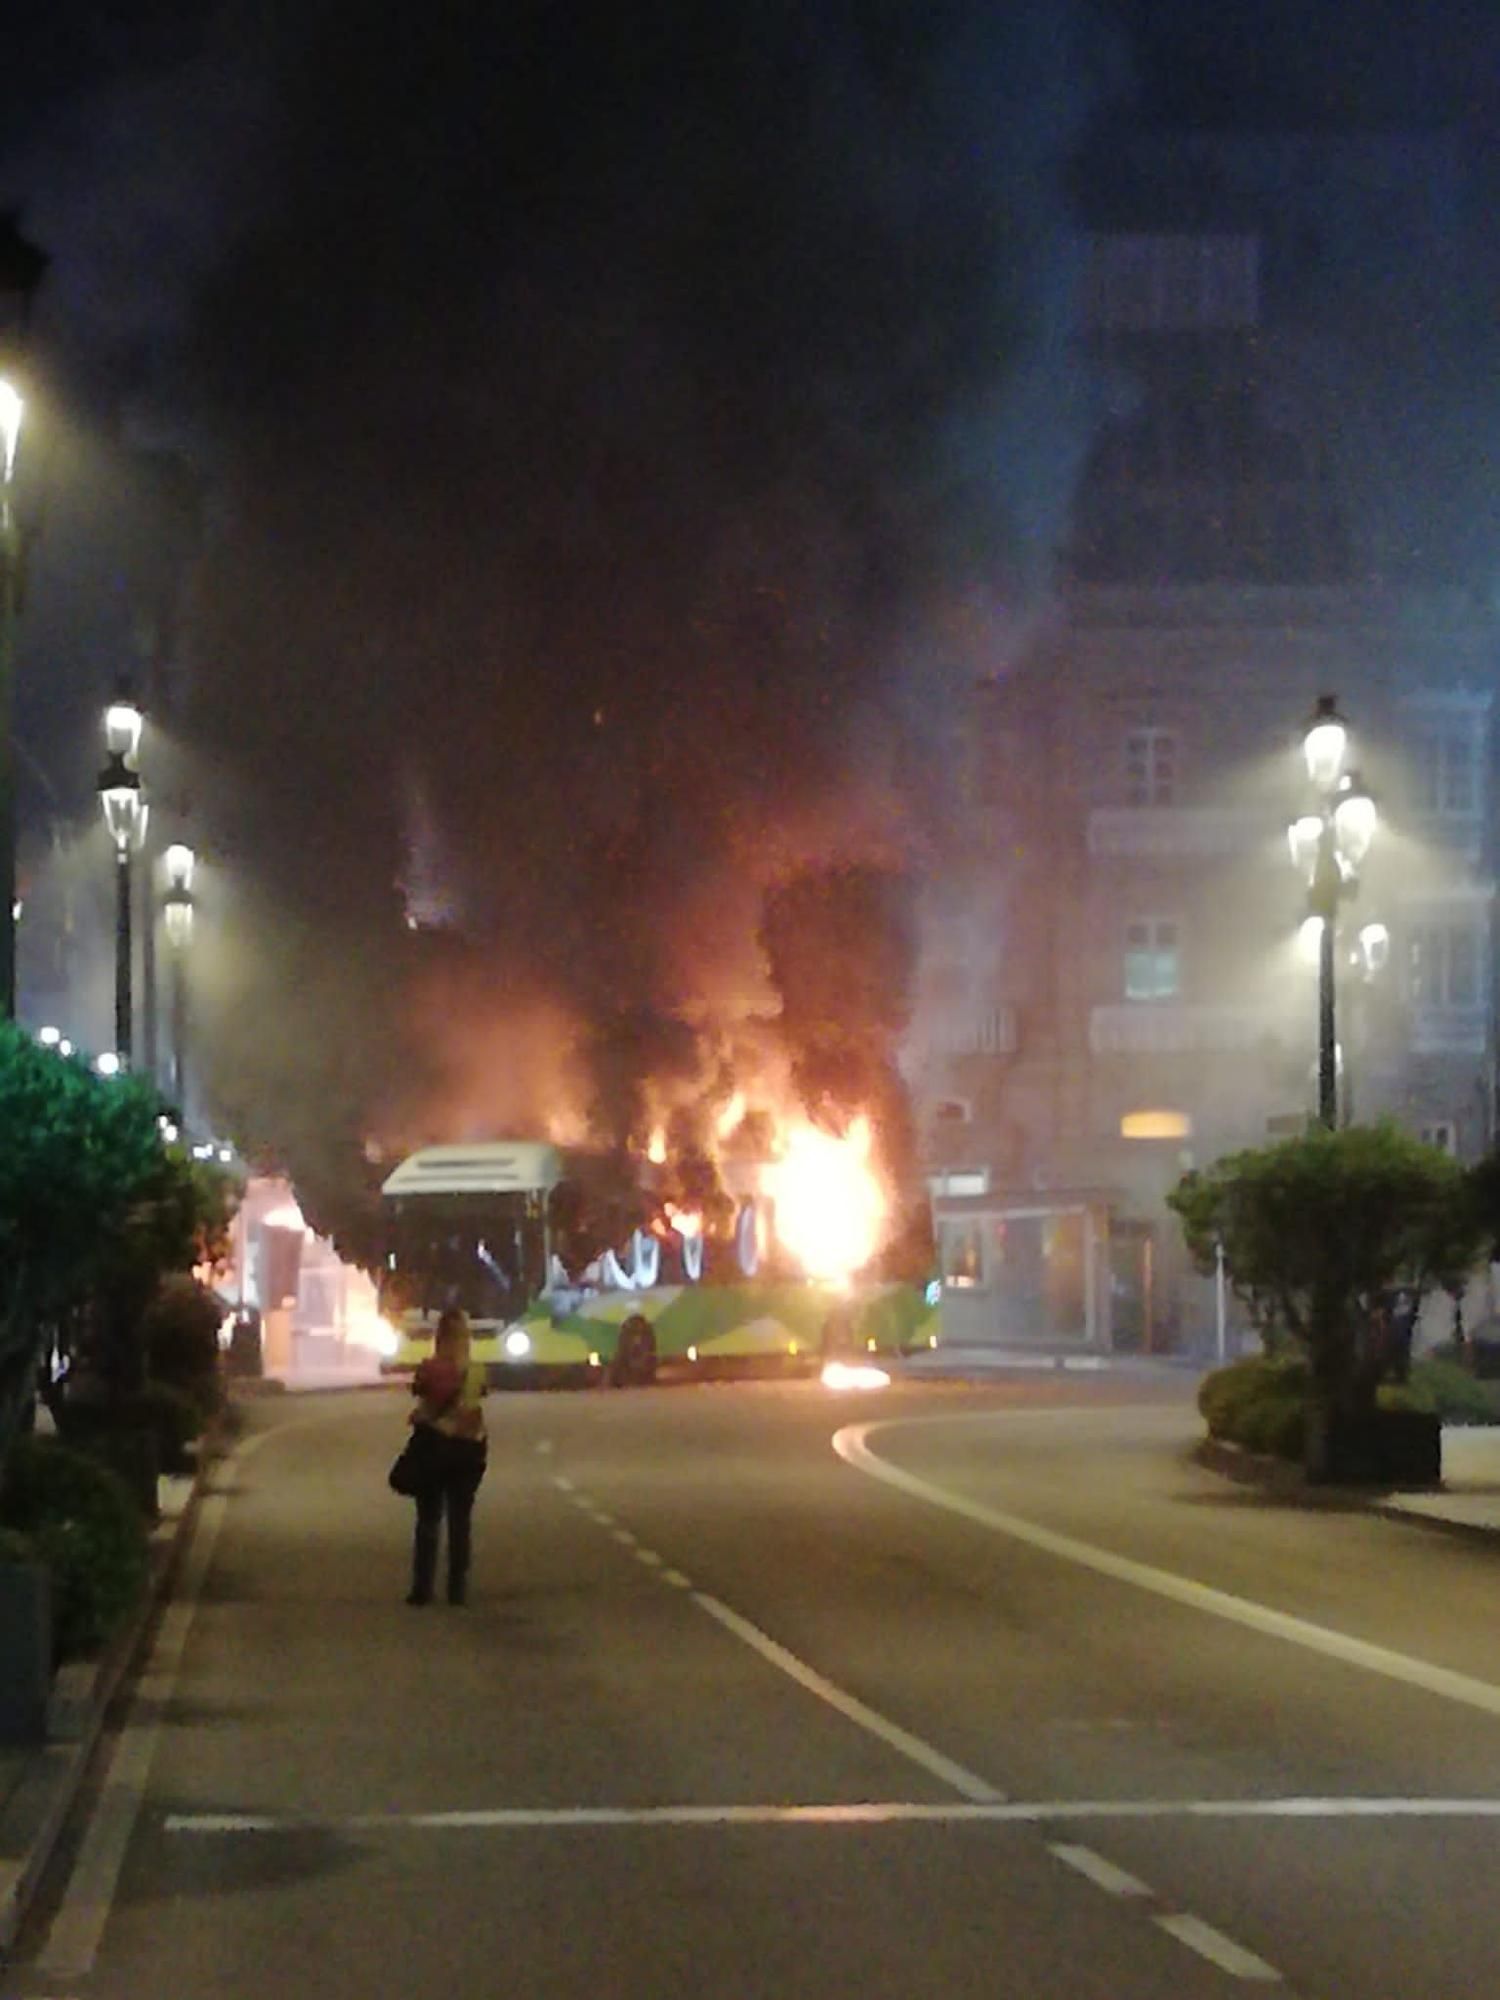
[82, 1692]
[1287, 1481]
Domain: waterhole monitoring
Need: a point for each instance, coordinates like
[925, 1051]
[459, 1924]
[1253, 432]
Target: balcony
[1175, 833]
[973, 1031]
[1145, 1028]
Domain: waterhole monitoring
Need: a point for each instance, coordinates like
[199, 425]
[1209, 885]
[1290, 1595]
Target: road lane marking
[873, 1812]
[1219, 1950]
[677, 1580]
[850, 1445]
[72, 1942]
[649, 1557]
[965, 1782]
[562, 1482]
[1103, 1874]
[624, 1537]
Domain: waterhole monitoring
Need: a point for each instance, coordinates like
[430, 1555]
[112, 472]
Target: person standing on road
[448, 1387]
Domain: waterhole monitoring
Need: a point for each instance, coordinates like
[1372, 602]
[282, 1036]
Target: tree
[93, 1204]
[1315, 1229]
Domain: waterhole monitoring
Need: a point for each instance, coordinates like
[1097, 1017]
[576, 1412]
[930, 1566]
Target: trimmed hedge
[1259, 1403]
[1448, 1390]
[78, 1517]
[180, 1329]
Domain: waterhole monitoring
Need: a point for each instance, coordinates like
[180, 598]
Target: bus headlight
[517, 1344]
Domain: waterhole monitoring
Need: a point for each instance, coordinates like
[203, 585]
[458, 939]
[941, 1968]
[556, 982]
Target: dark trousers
[451, 1495]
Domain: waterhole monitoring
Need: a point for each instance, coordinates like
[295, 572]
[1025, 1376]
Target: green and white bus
[549, 1280]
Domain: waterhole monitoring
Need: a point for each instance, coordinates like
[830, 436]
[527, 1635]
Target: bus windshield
[485, 1252]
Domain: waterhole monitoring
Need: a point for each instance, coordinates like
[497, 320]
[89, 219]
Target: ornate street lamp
[1329, 843]
[125, 811]
[22, 267]
[177, 913]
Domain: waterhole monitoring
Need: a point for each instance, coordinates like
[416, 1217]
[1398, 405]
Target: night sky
[622, 428]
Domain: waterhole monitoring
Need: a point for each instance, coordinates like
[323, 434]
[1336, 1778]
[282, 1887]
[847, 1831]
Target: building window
[1445, 960]
[961, 1248]
[1447, 762]
[952, 1111]
[1152, 959]
[1444, 1135]
[1151, 767]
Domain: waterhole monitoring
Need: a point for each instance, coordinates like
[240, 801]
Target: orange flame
[830, 1205]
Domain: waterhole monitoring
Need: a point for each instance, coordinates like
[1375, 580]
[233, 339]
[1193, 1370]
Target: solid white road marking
[677, 1580]
[73, 1938]
[1219, 1950]
[1103, 1874]
[875, 1812]
[967, 1783]
[850, 1445]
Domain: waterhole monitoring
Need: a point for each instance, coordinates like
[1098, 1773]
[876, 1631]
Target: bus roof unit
[517, 1167]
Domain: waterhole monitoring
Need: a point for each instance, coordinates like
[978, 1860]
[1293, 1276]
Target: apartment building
[1117, 986]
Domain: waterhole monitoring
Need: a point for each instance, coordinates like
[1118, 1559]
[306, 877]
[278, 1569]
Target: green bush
[1446, 1389]
[173, 1416]
[79, 1518]
[180, 1330]
[15, 1547]
[1259, 1403]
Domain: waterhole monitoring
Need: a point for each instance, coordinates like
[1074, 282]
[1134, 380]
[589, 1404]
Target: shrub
[180, 1329]
[1446, 1389]
[15, 1547]
[79, 1518]
[173, 1416]
[1259, 1402]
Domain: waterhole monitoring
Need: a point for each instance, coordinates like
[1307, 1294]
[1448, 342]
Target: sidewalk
[38, 1783]
[1470, 1495]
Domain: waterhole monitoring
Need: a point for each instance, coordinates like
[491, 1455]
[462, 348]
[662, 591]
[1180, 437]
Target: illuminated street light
[108, 1064]
[1328, 844]
[125, 813]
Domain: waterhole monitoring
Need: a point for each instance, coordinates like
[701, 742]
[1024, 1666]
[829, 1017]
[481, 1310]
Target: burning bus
[605, 1266]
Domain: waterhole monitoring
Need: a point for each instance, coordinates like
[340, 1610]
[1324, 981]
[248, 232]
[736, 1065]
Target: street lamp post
[125, 810]
[177, 918]
[22, 266]
[1329, 842]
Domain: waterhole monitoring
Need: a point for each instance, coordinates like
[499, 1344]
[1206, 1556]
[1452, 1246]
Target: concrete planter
[25, 1651]
[1387, 1448]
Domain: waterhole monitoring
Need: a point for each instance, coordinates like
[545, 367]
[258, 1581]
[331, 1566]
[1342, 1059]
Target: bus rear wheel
[634, 1363]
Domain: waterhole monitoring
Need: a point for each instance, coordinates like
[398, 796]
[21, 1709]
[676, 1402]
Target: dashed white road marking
[649, 1557]
[562, 1482]
[1219, 1950]
[850, 1444]
[1103, 1874]
[968, 1784]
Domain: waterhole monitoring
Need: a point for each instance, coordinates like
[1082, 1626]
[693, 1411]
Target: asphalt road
[1002, 1696]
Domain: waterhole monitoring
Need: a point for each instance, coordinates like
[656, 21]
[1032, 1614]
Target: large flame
[830, 1205]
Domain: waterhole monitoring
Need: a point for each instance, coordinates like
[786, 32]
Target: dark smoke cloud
[627, 426]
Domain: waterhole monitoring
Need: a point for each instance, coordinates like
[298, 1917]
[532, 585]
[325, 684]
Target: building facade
[1117, 987]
